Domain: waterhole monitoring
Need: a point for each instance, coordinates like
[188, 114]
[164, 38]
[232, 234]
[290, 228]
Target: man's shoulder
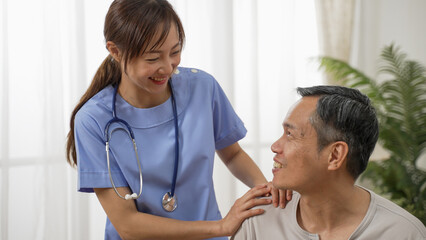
[391, 220]
[397, 213]
[274, 222]
[272, 212]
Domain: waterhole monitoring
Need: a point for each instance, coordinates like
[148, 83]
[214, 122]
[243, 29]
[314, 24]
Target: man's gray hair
[345, 114]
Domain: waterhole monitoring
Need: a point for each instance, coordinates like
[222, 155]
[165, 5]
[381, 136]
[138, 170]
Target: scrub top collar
[151, 117]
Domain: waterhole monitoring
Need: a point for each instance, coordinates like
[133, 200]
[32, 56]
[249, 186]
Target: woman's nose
[167, 67]
[169, 64]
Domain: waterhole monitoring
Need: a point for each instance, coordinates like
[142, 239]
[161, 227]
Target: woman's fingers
[279, 197]
[275, 194]
[257, 191]
[248, 208]
[251, 198]
[243, 208]
[283, 200]
[289, 194]
[255, 202]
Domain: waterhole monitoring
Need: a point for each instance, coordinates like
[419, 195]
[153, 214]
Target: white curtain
[50, 49]
[335, 20]
[259, 52]
[43, 73]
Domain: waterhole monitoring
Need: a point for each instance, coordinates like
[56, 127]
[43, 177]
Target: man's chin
[279, 184]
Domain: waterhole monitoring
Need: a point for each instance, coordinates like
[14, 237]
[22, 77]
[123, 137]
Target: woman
[158, 185]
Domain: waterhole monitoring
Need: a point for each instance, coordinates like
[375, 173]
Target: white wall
[381, 22]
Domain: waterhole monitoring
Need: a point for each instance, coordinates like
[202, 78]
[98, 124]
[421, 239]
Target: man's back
[383, 220]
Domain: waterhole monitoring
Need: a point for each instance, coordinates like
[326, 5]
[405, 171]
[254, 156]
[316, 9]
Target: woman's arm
[241, 165]
[244, 168]
[131, 224]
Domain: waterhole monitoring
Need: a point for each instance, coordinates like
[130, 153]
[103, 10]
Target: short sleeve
[228, 127]
[91, 156]
[243, 232]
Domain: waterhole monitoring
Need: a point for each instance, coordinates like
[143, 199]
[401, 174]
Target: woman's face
[146, 76]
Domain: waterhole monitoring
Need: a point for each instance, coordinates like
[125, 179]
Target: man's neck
[334, 212]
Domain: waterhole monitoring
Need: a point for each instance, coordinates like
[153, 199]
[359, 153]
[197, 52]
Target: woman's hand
[242, 209]
[280, 197]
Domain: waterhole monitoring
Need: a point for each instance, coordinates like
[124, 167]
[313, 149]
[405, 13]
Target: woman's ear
[114, 51]
[337, 157]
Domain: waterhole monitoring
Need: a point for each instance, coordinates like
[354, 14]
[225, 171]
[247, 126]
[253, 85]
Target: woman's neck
[142, 99]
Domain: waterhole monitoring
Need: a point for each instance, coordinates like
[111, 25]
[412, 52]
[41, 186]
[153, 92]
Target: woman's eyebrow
[158, 51]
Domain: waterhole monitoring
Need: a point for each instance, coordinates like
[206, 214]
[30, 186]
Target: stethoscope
[169, 200]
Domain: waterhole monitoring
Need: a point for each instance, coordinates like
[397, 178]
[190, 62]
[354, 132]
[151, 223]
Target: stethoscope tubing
[176, 165]
[129, 131]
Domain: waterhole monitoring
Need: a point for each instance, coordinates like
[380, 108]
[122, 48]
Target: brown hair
[131, 25]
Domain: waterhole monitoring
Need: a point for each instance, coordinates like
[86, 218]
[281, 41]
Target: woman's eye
[176, 52]
[152, 59]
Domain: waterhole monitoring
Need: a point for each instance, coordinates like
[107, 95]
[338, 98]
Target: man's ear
[337, 156]
[114, 51]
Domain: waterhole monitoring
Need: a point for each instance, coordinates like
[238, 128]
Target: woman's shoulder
[194, 75]
[195, 72]
[196, 80]
[97, 107]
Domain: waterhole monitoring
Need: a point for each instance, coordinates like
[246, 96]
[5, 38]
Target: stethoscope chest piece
[169, 202]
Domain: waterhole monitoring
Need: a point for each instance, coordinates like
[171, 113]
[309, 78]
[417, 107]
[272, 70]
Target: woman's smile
[159, 80]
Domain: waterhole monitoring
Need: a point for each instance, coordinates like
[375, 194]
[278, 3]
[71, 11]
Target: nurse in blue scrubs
[159, 186]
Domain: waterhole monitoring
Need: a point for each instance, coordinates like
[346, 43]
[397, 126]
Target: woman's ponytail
[132, 26]
[108, 73]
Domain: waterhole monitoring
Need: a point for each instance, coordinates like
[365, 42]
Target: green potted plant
[400, 102]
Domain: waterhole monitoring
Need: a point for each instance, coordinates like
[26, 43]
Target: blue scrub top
[207, 122]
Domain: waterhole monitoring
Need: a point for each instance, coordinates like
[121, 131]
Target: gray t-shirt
[383, 220]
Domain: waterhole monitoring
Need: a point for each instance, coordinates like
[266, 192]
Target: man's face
[297, 163]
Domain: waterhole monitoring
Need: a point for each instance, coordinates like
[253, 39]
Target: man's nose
[275, 147]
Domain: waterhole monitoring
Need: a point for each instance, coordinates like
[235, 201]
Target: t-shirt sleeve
[244, 232]
[228, 126]
[91, 156]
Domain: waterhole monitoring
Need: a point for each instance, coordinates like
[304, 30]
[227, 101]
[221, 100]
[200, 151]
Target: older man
[328, 138]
